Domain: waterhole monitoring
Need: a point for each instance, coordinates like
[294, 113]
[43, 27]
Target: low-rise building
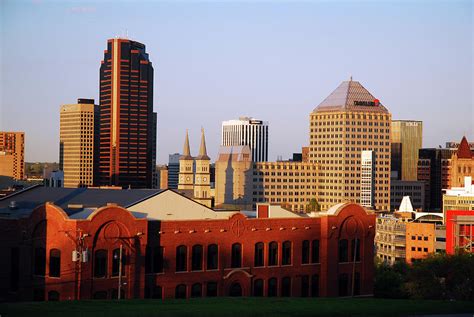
[459, 198]
[459, 231]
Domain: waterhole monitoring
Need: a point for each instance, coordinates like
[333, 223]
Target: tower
[127, 136]
[186, 175]
[202, 185]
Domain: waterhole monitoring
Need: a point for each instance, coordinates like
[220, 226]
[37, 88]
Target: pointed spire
[186, 150]
[464, 150]
[202, 149]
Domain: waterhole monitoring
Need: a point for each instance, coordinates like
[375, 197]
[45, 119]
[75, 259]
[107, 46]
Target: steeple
[186, 150]
[202, 149]
[464, 150]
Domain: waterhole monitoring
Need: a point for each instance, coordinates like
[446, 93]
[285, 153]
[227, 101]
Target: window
[286, 287]
[181, 259]
[355, 247]
[236, 260]
[196, 290]
[286, 253]
[305, 252]
[258, 288]
[425, 238]
[180, 292]
[40, 261]
[315, 285]
[116, 260]
[413, 248]
[53, 296]
[272, 287]
[273, 254]
[211, 289]
[196, 258]
[425, 249]
[54, 263]
[100, 264]
[212, 257]
[157, 259]
[315, 252]
[258, 260]
[305, 286]
[343, 284]
[343, 254]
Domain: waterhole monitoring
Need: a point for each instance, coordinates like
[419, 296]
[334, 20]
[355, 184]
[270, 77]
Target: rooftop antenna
[350, 78]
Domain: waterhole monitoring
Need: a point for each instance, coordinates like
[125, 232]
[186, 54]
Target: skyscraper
[77, 146]
[406, 141]
[247, 131]
[127, 149]
[12, 154]
[350, 120]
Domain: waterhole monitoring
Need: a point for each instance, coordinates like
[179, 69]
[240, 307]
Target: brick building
[174, 247]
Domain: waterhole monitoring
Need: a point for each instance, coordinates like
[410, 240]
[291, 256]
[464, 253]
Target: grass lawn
[238, 307]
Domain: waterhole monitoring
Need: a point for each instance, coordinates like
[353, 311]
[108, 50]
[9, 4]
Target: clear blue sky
[216, 61]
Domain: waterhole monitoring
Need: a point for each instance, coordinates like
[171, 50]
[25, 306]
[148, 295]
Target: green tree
[313, 205]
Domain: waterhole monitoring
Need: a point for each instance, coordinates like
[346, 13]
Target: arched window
[53, 296]
[181, 258]
[258, 288]
[258, 260]
[212, 257]
[40, 261]
[211, 289]
[304, 286]
[236, 255]
[305, 252]
[196, 258]
[286, 286]
[273, 253]
[272, 287]
[343, 252]
[315, 252]
[355, 248]
[54, 263]
[100, 263]
[116, 262]
[196, 290]
[286, 253]
[315, 285]
[180, 292]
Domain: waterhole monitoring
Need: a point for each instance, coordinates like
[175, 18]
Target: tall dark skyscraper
[127, 151]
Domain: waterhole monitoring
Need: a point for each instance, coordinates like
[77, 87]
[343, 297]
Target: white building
[247, 131]
[367, 182]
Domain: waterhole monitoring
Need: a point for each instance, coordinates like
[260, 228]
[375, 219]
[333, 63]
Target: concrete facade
[12, 154]
[406, 137]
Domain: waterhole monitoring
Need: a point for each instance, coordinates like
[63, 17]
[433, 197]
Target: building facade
[414, 189]
[459, 231]
[56, 253]
[406, 140]
[247, 131]
[12, 154]
[350, 120]
[459, 198]
[173, 170]
[462, 164]
[78, 142]
[127, 145]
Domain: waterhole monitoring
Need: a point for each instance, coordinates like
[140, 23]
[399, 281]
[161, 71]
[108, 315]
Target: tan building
[12, 154]
[234, 179]
[420, 240]
[459, 198]
[76, 137]
[350, 120]
[291, 184]
[406, 140]
[462, 164]
[390, 239]
[162, 172]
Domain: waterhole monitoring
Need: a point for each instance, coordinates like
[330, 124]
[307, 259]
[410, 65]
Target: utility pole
[120, 273]
[354, 252]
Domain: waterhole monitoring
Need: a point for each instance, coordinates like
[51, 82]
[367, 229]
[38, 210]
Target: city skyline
[198, 67]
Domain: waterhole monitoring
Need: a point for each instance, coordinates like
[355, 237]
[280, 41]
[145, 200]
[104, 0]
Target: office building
[414, 189]
[462, 164]
[406, 141]
[247, 131]
[127, 141]
[12, 154]
[173, 170]
[162, 172]
[176, 248]
[78, 142]
[367, 181]
[350, 120]
[434, 169]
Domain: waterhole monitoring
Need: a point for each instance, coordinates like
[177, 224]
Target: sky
[219, 60]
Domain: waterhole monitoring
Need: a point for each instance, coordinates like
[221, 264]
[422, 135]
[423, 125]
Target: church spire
[186, 150]
[202, 149]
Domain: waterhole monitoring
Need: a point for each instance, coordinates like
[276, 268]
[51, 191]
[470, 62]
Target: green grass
[239, 307]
